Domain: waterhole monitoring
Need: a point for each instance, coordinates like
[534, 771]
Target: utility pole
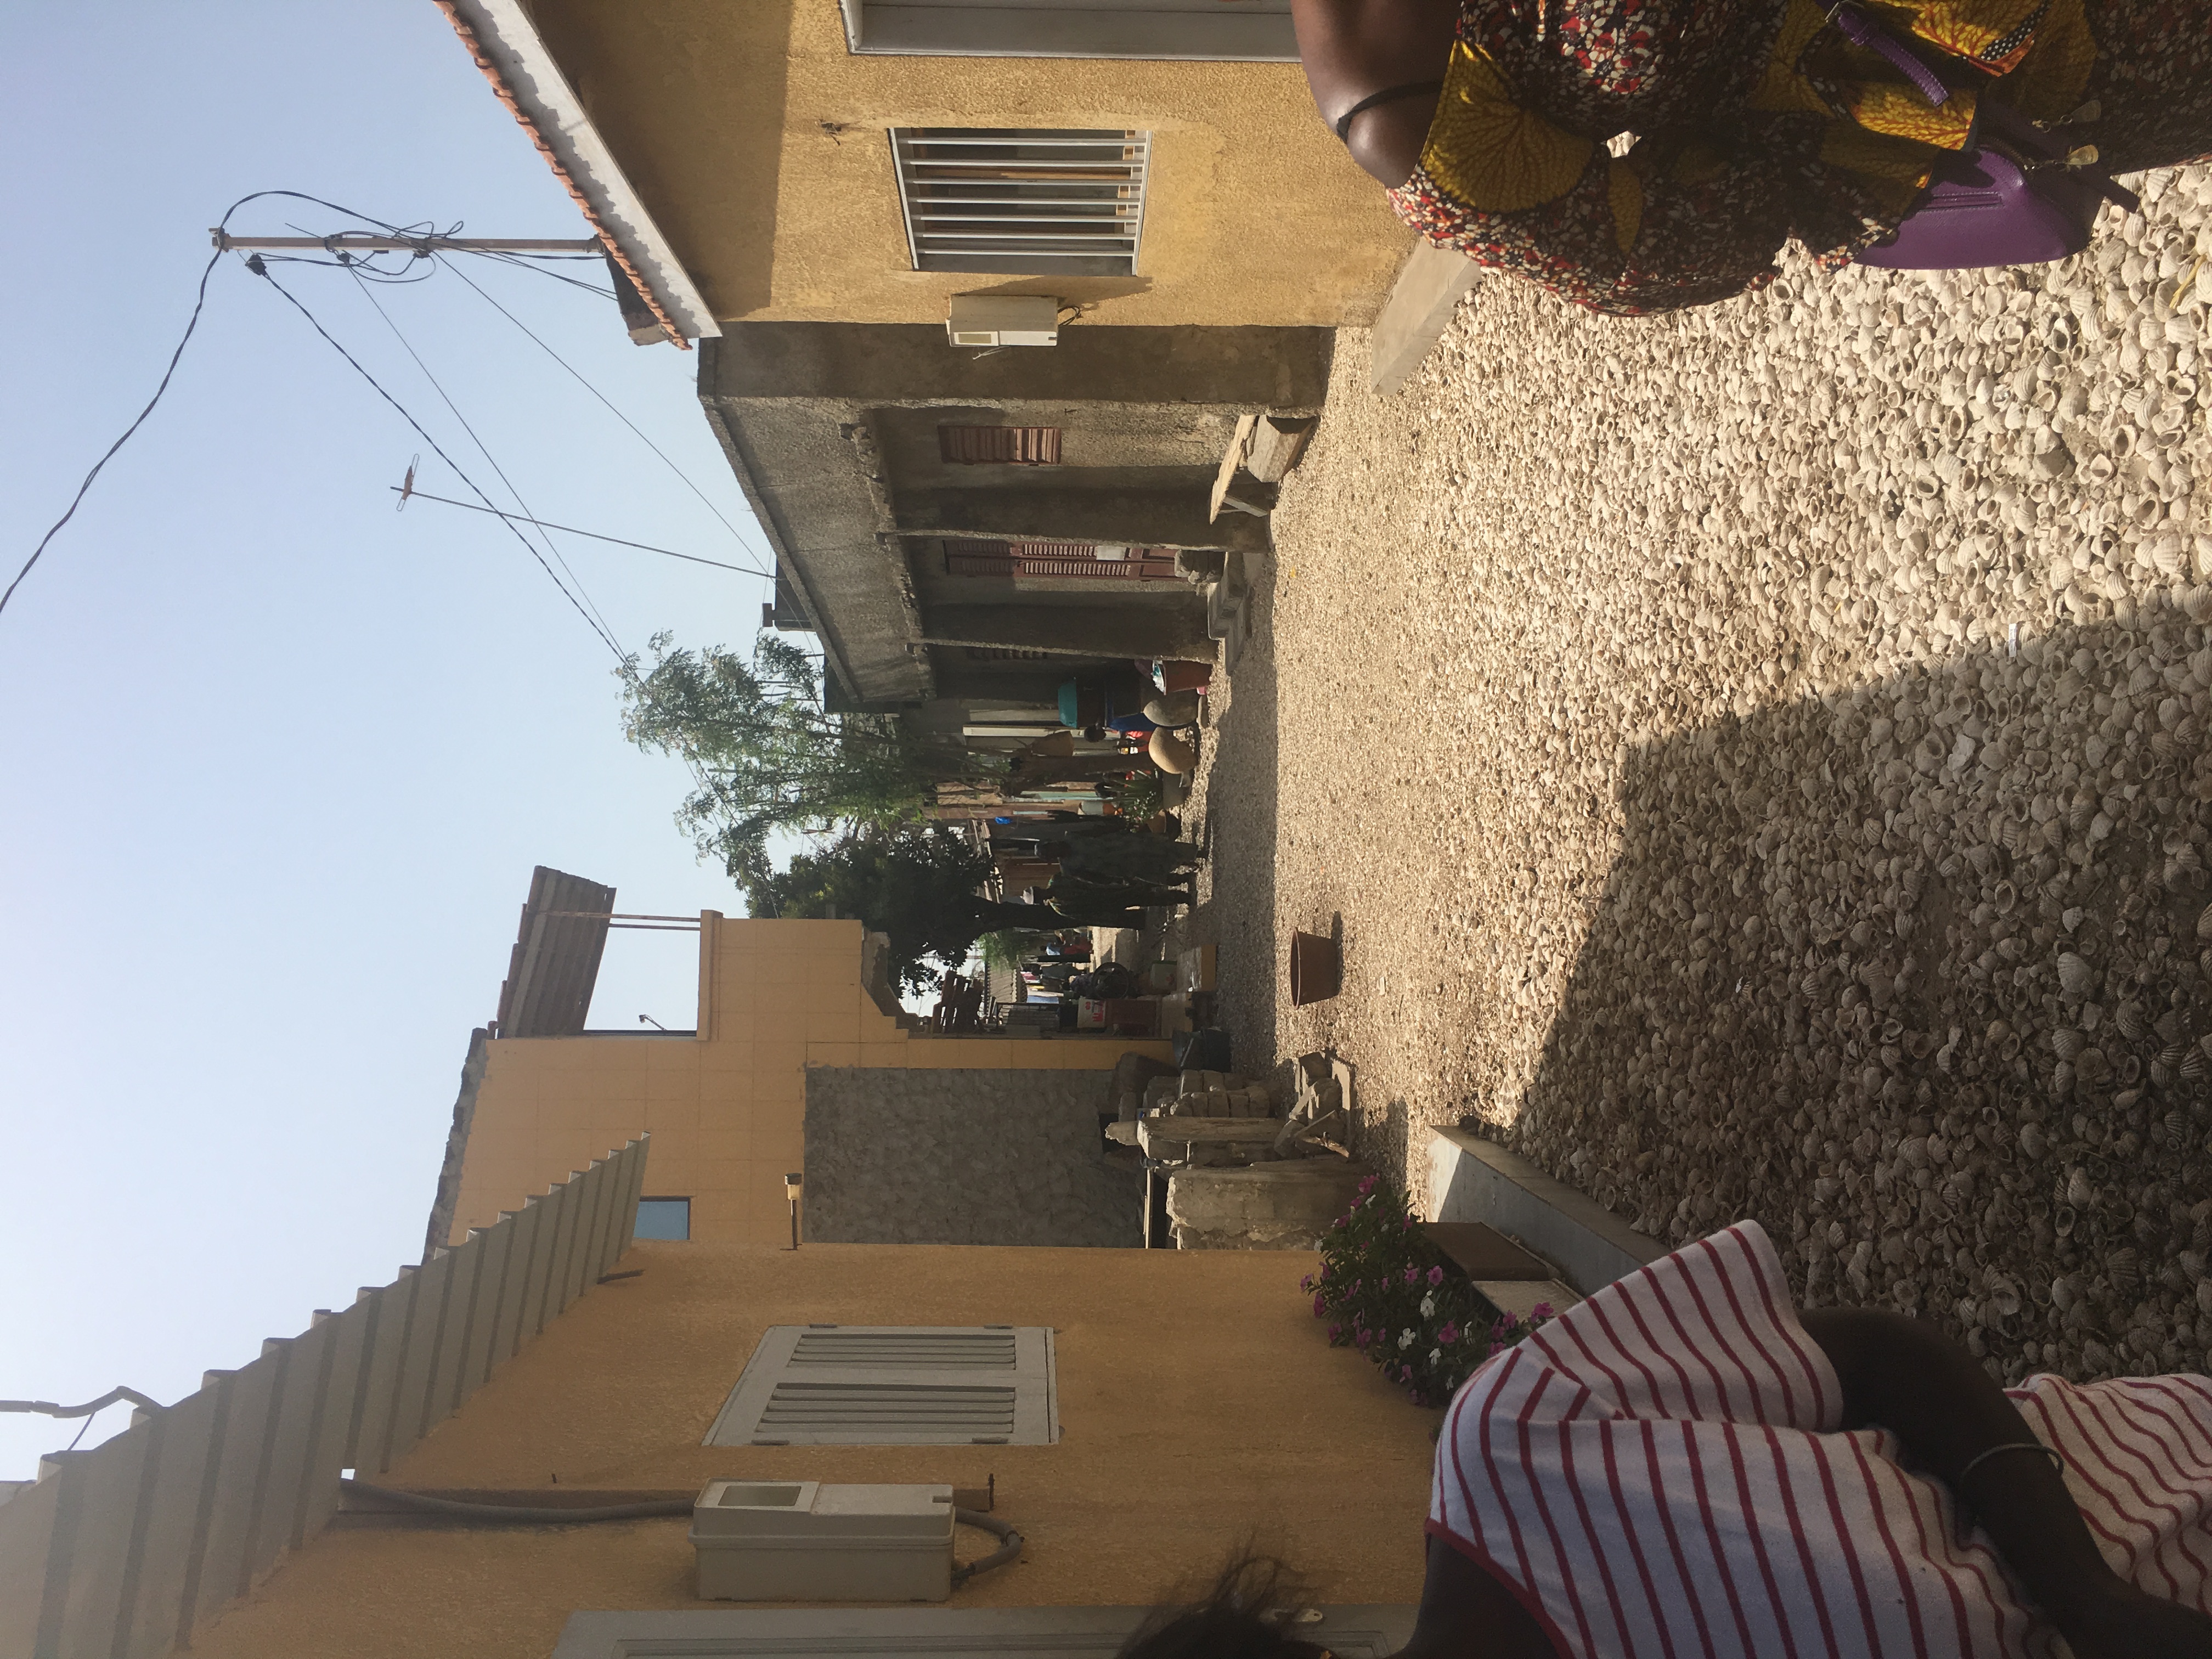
[360, 242]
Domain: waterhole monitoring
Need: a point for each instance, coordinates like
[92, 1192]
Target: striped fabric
[1658, 1472]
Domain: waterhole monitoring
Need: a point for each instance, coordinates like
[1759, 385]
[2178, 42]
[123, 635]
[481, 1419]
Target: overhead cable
[412, 494]
[576, 582]
[255, 265]
[192, 324]
[738, 534]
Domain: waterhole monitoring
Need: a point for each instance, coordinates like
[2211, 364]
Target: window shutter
[892, 1385]
[1086, 560]
[1062, 201]
[1016, 446]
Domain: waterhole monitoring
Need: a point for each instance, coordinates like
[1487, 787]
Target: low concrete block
[1471, 1179]
[1429, 289]
[1521, 1297]
[1263, 1207]
[1169, 1137]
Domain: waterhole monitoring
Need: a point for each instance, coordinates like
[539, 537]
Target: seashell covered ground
[1756, 761]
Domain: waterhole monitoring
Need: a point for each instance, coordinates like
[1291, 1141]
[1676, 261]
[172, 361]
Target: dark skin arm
[1351, 48]
[1934, 1397]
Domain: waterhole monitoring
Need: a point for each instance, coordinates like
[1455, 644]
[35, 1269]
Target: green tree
[765, 755]
[916, 882]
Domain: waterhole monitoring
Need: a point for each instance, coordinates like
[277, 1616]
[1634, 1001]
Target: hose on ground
[1009, 1550]
[1009, 1546]
[91, 1407]
[416, 1500]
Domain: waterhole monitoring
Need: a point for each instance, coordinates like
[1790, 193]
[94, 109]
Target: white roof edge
[550, 105]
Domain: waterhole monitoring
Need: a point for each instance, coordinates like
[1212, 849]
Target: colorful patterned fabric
[1755, 122]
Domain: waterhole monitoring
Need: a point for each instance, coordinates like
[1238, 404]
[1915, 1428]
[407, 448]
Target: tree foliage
[765, 755]
[916, 882]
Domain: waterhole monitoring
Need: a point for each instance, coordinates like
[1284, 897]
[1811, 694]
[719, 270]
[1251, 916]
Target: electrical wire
[527, 517]
[255, 265]
[571, 530]
[199, 302]
[737, 534]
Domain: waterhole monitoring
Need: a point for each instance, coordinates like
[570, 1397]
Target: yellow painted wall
[1198, 1402]
[727, 1109]
[757, 140]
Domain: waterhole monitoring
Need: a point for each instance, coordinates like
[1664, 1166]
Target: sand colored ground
[1755, 760]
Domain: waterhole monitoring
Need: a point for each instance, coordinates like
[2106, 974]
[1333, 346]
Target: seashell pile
[1795, 790]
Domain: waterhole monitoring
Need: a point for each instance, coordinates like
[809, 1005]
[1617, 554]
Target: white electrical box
[800, 1541]
[1004, 319]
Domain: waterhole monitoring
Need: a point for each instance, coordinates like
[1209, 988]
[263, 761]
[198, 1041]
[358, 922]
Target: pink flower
[1449, 1334]
[1412, 1275]
[1360, 1338]
[1367, 1184]
[1405, 1373]
[1324, 1270]
[1541, 1310]
[1321, 1307]
[1335, 1335]
[1435, 1276]
[1306, 1284]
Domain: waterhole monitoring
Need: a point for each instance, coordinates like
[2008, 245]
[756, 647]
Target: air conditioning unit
[1004, 319]
[801, 1540]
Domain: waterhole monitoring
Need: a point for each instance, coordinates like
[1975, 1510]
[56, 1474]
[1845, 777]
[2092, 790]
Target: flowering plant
[1387, 1290]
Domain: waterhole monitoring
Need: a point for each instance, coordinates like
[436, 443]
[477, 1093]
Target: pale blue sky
[276, 761]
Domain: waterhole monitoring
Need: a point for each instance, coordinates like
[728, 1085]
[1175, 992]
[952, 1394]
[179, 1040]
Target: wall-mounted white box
[801, 1540]
[1003, 319]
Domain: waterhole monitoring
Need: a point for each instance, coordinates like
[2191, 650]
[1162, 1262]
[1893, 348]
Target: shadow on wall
[955, 1156]
[1082, 292]
[1911, 975]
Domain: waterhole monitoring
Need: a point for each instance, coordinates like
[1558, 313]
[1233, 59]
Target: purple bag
[2012, 196]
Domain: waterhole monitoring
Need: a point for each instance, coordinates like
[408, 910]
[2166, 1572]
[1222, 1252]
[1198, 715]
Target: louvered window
[1093, 560]
[890, 1385]
[1059, 201]
[1015, 445]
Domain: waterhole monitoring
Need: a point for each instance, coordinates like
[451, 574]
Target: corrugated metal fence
[123, 1552]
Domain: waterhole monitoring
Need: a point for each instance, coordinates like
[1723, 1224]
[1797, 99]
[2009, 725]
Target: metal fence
[124, 1551]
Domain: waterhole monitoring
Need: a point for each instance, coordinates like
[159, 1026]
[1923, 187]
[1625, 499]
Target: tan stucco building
[746, 155]
[811, 189]
[726, 1103]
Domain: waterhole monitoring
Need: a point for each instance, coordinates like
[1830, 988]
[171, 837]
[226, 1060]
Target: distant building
[801, 1061]
[841, 205]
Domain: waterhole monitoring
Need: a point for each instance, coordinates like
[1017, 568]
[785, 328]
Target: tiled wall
[725, 1109]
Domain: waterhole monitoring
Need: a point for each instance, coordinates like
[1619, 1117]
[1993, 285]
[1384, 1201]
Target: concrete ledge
[1471, 1179]
[1429, 289]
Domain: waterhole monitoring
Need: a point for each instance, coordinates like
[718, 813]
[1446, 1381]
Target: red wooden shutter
[1077, 559]
[1015, 445]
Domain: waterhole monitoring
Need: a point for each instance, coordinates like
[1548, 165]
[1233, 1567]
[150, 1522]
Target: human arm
[1911, 1379]
[1352, 48]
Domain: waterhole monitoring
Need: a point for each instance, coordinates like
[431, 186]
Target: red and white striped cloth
[1658, 1473]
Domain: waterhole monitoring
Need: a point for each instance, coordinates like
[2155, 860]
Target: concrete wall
[831, 429]
[758, 142]
[871, 364]
[727, 1108]
[965, 1158]
[1198, 1403]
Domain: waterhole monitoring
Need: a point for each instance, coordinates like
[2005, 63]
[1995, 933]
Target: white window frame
[936, 239]
[1349, 1632]
[1030, 1378]
[1250, 32]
